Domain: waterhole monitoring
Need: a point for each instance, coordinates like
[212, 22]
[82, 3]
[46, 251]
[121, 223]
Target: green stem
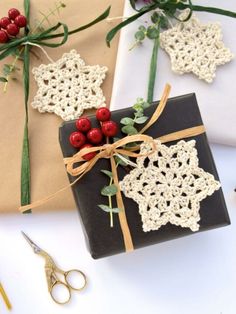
[110, 205]
[25, 163]
[153, 69]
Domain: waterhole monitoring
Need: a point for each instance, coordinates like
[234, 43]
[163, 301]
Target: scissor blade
[31, 243]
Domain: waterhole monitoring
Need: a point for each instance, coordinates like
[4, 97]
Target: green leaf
[155, 17]
[127, 121]
[121, 162]
[109, 190]
[108, 209]
[107, 173]
[138, 107]
[152, 32]
[145, 105]
[129, 129]
[164, 22]
[3, 79]
[138, 114]
[142, 28]
[139, 35]
[141, 120]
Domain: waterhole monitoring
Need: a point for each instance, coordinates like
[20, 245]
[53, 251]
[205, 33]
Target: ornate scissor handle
[65, 287]
[67, 275]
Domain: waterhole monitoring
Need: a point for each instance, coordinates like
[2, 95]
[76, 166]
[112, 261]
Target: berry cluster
[87, 136]
[10, 26]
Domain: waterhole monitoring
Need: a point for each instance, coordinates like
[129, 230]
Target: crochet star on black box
[147, 225]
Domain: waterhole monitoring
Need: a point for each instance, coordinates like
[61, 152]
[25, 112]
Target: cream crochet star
[195, 47]
[169, 186]
[67, 87]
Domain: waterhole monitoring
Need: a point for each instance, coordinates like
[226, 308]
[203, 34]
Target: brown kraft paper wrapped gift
[47, 168]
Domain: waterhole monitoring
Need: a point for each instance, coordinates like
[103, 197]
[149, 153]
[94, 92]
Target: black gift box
[180, 113]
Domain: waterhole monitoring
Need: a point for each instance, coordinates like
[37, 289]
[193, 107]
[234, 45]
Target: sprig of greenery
[139, 117]
[109, 191]
[169, 8]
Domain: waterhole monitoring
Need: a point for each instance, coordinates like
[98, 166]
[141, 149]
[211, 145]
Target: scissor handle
[81, 275]
[63, 299]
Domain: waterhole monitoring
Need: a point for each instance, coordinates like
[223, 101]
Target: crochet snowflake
[67, 87]
[168, 186]
[195, 47]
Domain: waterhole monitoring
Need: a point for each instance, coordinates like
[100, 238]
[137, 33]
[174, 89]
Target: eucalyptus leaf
[142, 28]
[3, 79]
[152, 32]
[145, 105]
[129, 129]
[107, 173]
[138, 114]
[109, 190]
[127, 121]
[155, 17]
[108, 209]
[120, 161]
[138, 107]
[141, 120]
[139, 35]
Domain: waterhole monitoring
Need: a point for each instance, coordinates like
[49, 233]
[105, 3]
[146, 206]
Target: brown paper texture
[47, 169]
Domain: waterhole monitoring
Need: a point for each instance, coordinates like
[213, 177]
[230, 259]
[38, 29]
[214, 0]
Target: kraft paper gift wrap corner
[47, 168]
[217, 100]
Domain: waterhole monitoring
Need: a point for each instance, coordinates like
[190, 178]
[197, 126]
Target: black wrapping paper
[102, 240]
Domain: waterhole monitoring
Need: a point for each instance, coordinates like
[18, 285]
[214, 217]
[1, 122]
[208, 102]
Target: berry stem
[11, 69]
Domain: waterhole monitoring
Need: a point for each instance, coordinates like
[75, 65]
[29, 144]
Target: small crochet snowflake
[168, 186]
[195, 47]
[67, 87]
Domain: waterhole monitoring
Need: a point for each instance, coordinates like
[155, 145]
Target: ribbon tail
[122, 216]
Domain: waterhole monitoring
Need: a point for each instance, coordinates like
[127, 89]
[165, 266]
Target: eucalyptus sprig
[139, 117]
[169, 8]
[109, 191]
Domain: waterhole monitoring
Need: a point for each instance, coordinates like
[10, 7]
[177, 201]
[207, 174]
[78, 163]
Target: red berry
[83, 124]
[12, 29]
[13, 13]
[4, 22]
[109, 128]
[89, 155]
[95, 135]
[103, 114]
[21, 21]
[3, 37]
[77, 139]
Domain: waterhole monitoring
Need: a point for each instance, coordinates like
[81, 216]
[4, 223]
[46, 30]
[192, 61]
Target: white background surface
[217, 101]
[192, 275]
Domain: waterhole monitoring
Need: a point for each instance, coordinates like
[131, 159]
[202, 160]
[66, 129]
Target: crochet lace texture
[67, 87]
[168, 186]
[195, 47]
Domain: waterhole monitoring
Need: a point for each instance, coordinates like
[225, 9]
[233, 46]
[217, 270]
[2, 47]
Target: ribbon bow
[106, 151]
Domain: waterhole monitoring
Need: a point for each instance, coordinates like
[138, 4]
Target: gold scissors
[53, 274]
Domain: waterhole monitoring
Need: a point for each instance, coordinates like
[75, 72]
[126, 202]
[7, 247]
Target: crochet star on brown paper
[169, 186]
[68, 86]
